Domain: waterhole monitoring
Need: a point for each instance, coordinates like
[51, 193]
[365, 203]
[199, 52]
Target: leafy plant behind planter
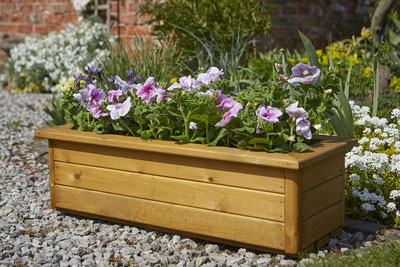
[206, 18]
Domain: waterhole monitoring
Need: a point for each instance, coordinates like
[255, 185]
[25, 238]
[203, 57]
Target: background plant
[205, 18]
[38, 64]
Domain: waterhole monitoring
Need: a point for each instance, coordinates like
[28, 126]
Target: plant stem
[126, 126]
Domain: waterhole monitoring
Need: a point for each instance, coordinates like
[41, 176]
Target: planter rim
[326, 146]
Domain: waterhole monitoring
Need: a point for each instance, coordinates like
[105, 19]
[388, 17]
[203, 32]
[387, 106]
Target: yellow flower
[173, 80]
[319, 52]
[292, 61]
[365, 33]
[304, 60]
[395, 84]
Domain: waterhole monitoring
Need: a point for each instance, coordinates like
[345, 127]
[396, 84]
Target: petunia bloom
[186, 83]
[303, 127]
[227, 103]
[211, 75]
[120, 109]
[229, 115]
[113, 94]
[268, 114]
[302, 73]
[295, 112]
[192, 125]
[149, 91]
[219, 96]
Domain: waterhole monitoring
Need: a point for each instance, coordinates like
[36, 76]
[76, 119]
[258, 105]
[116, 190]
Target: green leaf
[146, 135]
[347, 85]
[259, 141]
[221, 134]
[376, 92]
[180, 138]
[347, 113]
[310, 50]
[117, 126]
[301, 147]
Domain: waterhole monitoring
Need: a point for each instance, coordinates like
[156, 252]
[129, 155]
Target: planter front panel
[191, 168]
[208, 196]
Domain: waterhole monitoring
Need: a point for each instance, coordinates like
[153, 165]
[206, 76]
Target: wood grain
[290, 161]
[194, 194]
[322, 196]
[52, 174]
[195, 169]
[321, 224]
[169, 216]
[292, 211]
[323, 171]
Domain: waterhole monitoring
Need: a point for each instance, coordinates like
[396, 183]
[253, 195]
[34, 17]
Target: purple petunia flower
[161, 94]
[192, 125]
[97, 112]
[147, 91]
[211, 75]
[136, 79]
[186, 83]
[303, 127]
[120, 109]
[218, 94]
[92, 95]
[302, 73]
[229, 115]
[113, 94]
[295, 112]
[227, 103]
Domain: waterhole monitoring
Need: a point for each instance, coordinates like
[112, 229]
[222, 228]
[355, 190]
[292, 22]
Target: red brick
[129, 19]
[71, 18]
[26, 9]
[137, 30]
[53, 19]
[126, 41]
[42, 29]
[59, 8]
[8, 28]
[26, 29]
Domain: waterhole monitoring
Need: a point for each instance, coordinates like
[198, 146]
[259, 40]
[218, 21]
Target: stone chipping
[31, 234]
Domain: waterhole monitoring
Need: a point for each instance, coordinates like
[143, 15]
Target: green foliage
[213, 53]
[56, 112]
[161, 61]
[205, 18]
[378, 255]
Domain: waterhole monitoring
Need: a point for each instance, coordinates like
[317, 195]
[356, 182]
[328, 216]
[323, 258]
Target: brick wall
[317, 18]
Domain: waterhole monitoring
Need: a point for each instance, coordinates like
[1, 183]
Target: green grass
[379, 255]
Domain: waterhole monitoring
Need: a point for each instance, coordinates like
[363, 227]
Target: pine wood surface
[196, 169]
[290, 161]
[292, 211]
[226, 226]
[317, 226]
[322, 196]
[194, 194]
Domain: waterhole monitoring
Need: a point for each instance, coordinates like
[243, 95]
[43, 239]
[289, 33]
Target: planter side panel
[322, 199]
[211, 171]
[263, 233]
[252, 203]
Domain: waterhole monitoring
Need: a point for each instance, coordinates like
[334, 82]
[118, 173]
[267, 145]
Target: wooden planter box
[284, 203]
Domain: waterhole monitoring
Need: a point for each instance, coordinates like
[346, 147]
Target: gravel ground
[34, 235]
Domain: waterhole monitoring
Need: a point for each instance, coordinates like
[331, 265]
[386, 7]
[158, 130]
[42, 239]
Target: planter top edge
[326, 146]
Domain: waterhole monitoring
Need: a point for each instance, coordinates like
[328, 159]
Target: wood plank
[322, 171]
[170, 216]
[280, 160]
[194, 194]
[173, 231]
[52, 174]
[335, 233]
[322, 196]
[322, 241]
[190, 168]
[292, 211]
[322, 224]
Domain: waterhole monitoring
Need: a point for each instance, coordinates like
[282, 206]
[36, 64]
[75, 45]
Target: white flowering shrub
[38, 64]
[80, 5]
[373, 167]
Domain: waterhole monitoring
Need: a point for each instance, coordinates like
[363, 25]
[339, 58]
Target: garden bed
[275, 202]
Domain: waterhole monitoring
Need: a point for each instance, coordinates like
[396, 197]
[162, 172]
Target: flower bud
[282, 51]
[286, 102]
[278, 67]
[328, 91]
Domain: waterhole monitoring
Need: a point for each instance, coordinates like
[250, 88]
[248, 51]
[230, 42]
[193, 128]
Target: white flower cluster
[373, 167]
[80, 5]
[60, 54]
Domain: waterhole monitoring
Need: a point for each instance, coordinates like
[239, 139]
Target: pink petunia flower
[229, 115]
[211, 75]
[227, 103]
[302, 73]
[120, 109]
[148, 91]
[113, 94]
[186, 83]
[268, 114]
